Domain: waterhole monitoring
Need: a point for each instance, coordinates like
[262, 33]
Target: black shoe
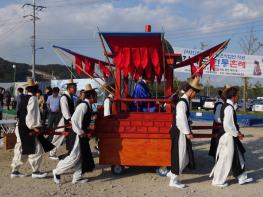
[17, 174]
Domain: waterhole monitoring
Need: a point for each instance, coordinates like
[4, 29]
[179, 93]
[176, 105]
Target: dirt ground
[139, 181]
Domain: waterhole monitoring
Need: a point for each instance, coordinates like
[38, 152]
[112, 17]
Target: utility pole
[33, 17]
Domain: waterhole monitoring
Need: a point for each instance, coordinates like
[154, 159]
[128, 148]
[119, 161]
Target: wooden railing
[124, 104]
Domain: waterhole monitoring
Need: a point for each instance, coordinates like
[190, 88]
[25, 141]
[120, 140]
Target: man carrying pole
[29, 144]
[67, 108]
[80, 157]
[230, 151]
[181, 135]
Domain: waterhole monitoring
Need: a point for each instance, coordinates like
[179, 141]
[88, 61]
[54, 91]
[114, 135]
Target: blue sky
[73, 24]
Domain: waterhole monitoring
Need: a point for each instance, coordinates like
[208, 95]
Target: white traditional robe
[107, 105]
[225, 150]
[58, 139]
[183, 126]
[33, 120]
[74, 159]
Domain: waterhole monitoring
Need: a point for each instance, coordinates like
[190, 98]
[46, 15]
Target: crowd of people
[225, 147]
[5, 98]
[68, 116]
[72, 115]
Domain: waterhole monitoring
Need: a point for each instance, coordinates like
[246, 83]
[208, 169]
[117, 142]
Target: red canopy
[137, 54]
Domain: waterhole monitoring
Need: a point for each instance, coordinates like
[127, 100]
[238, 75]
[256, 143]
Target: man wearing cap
[181, 135]
[80, 157]
[230, 151]
[67, 108]
[29, 144]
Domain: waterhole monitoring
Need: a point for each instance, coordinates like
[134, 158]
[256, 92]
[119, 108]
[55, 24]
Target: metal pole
[34, 40]
[14, 74]
[33, 18]
[245, 93]
[156, 87]
[71, 73]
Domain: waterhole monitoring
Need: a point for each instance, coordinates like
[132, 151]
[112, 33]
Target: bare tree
[250, 46]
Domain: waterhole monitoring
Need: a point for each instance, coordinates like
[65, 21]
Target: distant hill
[43, 72]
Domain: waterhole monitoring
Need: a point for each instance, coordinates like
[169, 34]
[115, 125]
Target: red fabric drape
[145, 54]
[127, 66]
[118, 58]
[136, 57]
[78, 64]
[89, 66]
[155, 60]
[144, 57]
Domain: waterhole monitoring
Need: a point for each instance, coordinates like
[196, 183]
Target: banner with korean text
[227, 64]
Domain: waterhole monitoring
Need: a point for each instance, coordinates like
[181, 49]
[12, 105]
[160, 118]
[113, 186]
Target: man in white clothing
[230, 151]
[107, 102]
[67, 107]
[29, 144]
[80, 157]
[181, 135]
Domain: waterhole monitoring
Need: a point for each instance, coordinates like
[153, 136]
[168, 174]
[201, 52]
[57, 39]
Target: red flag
[78, 64]
[89, 66]
[212, 62]
[194, 70]
[144, 57]
[104, 69]
[201, 70]
[118, 58]
[136, 57]
[126, 61]
[155, 60]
